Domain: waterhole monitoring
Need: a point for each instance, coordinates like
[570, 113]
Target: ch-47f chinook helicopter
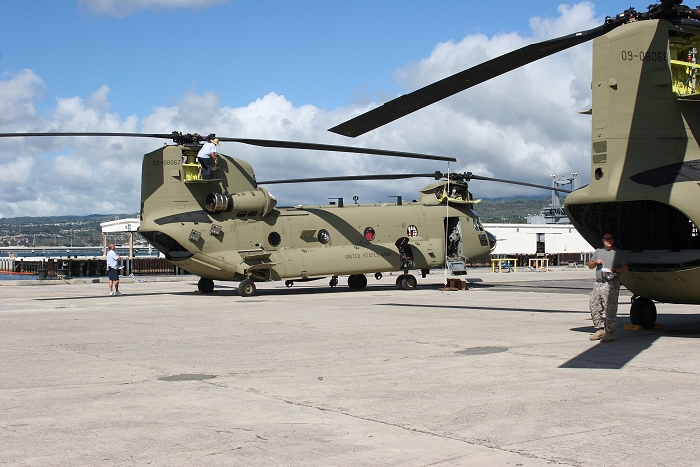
[230, 228]
[645, 159]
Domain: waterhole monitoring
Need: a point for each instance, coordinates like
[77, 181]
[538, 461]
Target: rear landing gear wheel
[357, 281]
[205, 285]
[334, 281]
[643, 312]
[246, 288]
[378, 275]
[289, 283]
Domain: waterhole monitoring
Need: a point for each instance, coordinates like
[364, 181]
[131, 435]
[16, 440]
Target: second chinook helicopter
[645, 157]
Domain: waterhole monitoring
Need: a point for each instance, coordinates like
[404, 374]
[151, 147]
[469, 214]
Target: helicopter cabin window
[323, 236]
[274, 239]
[242, 213]
[684, 63]
[369, 234]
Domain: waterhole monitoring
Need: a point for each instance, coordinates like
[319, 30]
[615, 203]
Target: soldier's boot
[599, 334]
[608, 337]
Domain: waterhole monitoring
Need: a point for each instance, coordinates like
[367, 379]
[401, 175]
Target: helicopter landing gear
[289, 283]
[406, 282]
[643, 312]
[378, 275]
[334, 281]
[357, 281]
[246, 288]
[205, 285]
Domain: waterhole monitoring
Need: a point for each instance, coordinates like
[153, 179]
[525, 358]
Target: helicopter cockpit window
[477, 222]
[369, 234]
[274, 239]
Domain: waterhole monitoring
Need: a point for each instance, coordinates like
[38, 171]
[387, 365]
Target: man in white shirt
[207, 157]
[113, 270]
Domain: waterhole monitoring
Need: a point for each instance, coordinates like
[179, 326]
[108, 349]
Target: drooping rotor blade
[408, 103]
[470, 176]
[437, 175]
[179, 138]
[348, 178]
[330, 147]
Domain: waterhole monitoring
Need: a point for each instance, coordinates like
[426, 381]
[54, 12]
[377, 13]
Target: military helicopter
[645, 159]
[229, 228]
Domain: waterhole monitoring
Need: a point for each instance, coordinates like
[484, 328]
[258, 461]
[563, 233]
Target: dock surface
[500, 374]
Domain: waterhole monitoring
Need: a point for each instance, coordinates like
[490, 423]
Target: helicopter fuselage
[645, 161]
[228, 228]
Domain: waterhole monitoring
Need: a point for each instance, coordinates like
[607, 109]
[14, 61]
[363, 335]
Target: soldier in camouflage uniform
[608, 262]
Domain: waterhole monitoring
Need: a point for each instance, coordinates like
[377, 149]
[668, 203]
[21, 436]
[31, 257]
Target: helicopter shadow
[481, 308]
[629, 344]
[232, 291]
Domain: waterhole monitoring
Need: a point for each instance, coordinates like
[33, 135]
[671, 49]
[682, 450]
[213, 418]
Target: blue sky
[231, 66]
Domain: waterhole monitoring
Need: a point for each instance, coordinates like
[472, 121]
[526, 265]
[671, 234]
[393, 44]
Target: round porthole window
[323, 236]
[274, 239]
[369, 234]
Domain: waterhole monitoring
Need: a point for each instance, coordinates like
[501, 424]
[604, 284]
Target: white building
[530, 239]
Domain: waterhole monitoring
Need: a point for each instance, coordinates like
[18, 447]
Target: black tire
[409, 282]
[398, 281]
[378, 275]
[333, 282]
[289, 283]
[352, 281]
[246, 288]
[360, 281]
[205, 285]
[643, 312]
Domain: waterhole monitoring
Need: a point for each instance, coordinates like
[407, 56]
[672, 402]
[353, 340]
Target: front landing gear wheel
[643, 312]
[246, 288]
[205, 285]
[409, 282]
[334, 281]
[289, 283]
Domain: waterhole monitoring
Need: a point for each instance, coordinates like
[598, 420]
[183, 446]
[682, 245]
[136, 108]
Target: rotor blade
[408, 103]
[544, 187]
[348, 177]
[131, 135]
[329, 147]
[268, 143]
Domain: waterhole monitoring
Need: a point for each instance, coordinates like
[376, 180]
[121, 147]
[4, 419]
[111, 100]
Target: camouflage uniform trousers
[603, 304]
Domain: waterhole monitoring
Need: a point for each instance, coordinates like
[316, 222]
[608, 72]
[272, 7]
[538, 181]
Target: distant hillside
[509, 210]
[59, 219]
[56, 230]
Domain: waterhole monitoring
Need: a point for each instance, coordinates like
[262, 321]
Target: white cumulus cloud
[523, 126]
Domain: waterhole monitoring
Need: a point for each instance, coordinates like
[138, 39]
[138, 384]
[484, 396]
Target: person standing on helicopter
[207, 157]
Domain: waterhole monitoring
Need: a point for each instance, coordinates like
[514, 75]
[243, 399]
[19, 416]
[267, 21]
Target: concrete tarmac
[501, 374]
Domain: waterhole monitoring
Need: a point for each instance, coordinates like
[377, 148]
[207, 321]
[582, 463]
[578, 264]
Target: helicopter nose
[492, 240]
